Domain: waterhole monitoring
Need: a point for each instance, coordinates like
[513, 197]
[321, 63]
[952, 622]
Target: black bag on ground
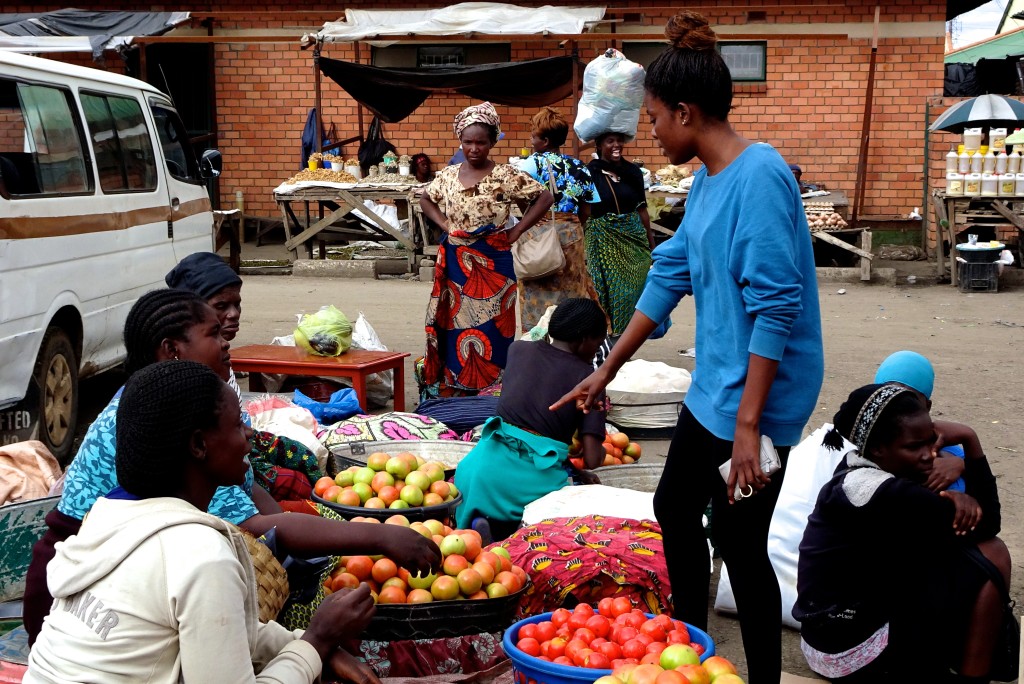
[373, 149]
[1006, 656]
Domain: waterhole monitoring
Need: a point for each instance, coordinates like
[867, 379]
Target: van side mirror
[210, 164]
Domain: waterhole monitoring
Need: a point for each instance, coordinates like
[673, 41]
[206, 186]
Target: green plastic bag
[324, 333]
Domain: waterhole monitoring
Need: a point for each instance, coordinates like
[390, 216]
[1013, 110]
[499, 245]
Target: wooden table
[340, 202]
[998, 218]
[354, 364]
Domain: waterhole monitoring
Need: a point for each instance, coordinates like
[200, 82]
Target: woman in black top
[618, 234]
[886, 588]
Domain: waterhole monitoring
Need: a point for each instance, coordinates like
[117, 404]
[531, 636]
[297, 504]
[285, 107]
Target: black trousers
[740, 531]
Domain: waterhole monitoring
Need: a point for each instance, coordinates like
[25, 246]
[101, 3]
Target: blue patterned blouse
[572, 179]
[93, 474]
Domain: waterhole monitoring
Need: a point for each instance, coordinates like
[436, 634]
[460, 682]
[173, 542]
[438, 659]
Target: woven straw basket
[271, 579]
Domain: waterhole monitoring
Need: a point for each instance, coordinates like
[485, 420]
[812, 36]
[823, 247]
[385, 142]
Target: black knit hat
[204, 273]
[160, 409]
[576, 320]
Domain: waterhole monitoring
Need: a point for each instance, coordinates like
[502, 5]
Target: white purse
[770, 464]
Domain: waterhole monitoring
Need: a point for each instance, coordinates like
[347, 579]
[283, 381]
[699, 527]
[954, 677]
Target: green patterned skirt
[618, 258]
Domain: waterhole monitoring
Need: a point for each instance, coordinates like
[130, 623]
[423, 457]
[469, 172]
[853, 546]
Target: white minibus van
[100, 195]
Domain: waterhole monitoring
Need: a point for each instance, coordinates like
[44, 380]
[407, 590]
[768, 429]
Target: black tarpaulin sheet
[99, 27]
[393, 94]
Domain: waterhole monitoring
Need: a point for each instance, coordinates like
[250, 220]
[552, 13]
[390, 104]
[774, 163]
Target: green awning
[1009, 44]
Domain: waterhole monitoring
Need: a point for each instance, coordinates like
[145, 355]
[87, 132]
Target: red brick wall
[811, 107]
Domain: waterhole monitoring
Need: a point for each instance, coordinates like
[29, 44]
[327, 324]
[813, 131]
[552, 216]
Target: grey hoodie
[158, 591]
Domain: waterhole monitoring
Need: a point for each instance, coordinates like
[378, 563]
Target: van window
[41, 150]
[121, 141]
[174, 141]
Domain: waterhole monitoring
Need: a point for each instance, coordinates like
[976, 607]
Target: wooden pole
[865, 134]
[318, 116]
[359, 106]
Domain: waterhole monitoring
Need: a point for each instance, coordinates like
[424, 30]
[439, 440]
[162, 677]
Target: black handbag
[373, 149]
[1006, 657]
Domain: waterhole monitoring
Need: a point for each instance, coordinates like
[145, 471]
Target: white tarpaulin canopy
[74, 30]
[491, 18]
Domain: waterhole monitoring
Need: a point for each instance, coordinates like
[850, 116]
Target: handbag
[1006, 656]
[769, 461]
[538, 252]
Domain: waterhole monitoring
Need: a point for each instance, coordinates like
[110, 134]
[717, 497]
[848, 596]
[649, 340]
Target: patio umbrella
[984, 110]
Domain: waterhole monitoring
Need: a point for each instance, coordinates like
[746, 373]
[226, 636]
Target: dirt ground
[976, 343]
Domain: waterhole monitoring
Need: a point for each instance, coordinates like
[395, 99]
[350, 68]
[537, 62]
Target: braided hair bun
[689, 30]
[160, 410]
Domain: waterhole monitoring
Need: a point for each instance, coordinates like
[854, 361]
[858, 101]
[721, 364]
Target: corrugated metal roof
[1009, 44]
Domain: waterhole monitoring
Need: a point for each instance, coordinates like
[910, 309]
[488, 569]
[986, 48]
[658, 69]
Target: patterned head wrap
[481, 113]
[857, 417]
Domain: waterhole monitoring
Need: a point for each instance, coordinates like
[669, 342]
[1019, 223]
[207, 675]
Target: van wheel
[56, 375]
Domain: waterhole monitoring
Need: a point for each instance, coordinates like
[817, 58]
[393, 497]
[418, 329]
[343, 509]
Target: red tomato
[529, 646]
[560, 617]
[596, 643]
[599, 625]
[626, 634]
[545, 649]
[611, 649]
[653, 630]
[613, 633]
[581, 656]
[543, 657]
[604, 607]
[698, 648]
[621, 605]
[545, 630]
[556, 648]
[562, 660]
[645, 674]
[678, 637]
[665, 621]
[652, 658]
[656, 647]
[597, 661]
[644, 639]
[573, 647]
[577, 621]
[634, 649]
[584, 608]
[635, 619]
[584, 634]
[622, 619]
[529, 630]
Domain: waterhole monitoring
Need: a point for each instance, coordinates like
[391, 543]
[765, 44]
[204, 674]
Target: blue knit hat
[910, 369]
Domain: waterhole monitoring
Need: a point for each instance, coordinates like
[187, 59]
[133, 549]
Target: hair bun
[690, 31]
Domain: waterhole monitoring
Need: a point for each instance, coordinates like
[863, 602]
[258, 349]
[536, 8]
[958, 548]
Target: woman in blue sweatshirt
[743, 251]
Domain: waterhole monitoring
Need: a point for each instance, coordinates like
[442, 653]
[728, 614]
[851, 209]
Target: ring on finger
[747, 491]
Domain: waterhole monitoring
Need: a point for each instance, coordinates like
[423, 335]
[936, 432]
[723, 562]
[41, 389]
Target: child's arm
[593, 451]
[957, 433]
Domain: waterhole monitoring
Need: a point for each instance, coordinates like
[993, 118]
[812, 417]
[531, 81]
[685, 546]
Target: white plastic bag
[613, 90]
[379, 386]
[809, 467]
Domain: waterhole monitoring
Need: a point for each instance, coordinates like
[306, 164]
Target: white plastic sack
[613, 90]
[281, 417]
[809, 467]
[650, 377]
[379, 386]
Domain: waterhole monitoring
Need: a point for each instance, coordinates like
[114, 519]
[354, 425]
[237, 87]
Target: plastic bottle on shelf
[1019, 189]
[1007, 185]
[972, 184]
[989, 185]
[952, 159]
[964, 162]
[976, 162]
[1013, 162]
[955, 184]
[1001, 162]
[972, 139]
[988, 162]
[997, 139]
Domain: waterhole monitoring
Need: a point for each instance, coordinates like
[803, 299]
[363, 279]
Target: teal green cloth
[507, 469]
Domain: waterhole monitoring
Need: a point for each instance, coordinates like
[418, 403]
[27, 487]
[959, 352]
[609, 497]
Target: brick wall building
[810, 104]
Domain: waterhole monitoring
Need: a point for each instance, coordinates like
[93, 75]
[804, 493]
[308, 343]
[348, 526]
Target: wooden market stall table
[339, 202]
[984, 216]
[355, 364]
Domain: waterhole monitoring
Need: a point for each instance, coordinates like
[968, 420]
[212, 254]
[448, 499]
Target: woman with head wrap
[471, 317]
[526, 443]
[744, 253]
[129, 606]
[618, 235]
[211, 278]
[569, 181]
[885, 559]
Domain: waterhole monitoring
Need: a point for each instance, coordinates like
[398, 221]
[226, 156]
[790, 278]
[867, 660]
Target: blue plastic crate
[551, 673]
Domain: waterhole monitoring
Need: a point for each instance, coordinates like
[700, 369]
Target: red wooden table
[354, 364]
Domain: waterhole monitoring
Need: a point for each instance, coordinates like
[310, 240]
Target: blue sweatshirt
[744, 252]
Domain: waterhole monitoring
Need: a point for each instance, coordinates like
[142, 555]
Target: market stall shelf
[355, 364]
[990, 218]
[339, 203]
